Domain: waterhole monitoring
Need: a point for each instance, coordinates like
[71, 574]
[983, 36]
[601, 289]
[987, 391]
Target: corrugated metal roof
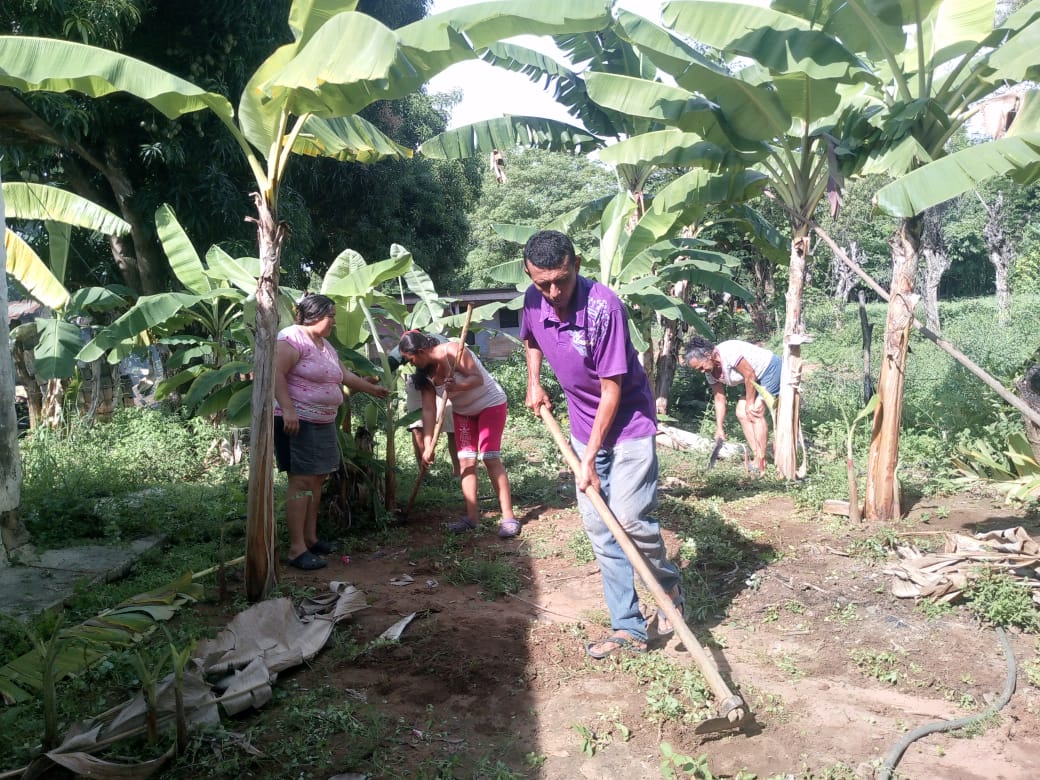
[17, 310]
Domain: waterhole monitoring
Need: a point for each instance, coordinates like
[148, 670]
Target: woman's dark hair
[549, 249]
[411, 342]
[312, 308]
[698, 348]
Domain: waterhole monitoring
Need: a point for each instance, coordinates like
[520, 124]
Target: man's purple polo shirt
[593, 343]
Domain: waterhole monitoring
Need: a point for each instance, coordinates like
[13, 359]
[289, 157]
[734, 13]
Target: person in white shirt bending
[732, 363]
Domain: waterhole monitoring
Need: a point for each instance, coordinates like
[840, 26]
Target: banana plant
[790, 106]
[203, 325]
[84, 645]
[936, 61]
[638, 235]
[1013, 471]
[54, 341]
[303, 99]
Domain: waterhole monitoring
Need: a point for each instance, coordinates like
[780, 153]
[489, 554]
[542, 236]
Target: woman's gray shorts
[314, 450]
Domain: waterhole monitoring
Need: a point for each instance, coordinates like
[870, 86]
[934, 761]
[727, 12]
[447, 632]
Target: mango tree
[303, 99]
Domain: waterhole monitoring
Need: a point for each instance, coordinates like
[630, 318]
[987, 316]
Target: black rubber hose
[897, 751]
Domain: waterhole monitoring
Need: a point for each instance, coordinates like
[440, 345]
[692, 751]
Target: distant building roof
[17, 310]
[484, 295]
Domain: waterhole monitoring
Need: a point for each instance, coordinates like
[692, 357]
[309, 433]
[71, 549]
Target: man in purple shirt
[581, 328]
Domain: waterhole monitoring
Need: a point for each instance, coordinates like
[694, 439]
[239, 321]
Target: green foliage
[1001, 600]
[944, 405]
[492, 571]
[1014, 471]
[678, 765]
[580, 547]
[194, 165]
[541, 185]
[92, 482]
[882, 666]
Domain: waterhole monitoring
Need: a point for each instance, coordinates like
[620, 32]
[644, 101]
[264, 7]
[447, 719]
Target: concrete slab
[50, 579]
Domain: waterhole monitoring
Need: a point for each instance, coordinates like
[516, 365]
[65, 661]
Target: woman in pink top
[308, 389]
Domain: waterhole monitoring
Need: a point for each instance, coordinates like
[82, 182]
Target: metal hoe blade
[733, 717]
[715, 452]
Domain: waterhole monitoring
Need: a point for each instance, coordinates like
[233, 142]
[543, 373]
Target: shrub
[94, 481]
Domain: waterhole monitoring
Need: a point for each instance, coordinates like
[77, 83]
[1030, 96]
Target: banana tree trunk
[11, 528]
[936, 263]
[882, 489]
[667, 359]
[785, 443]
[1002, 265]
[1028, 388]
[261, 573]
[25, 372]
[668, 348]
[765, 290]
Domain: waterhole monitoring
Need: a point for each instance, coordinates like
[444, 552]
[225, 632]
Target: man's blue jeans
[628, 483]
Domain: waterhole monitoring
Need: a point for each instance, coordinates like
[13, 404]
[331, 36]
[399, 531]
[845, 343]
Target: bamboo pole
[732, 707]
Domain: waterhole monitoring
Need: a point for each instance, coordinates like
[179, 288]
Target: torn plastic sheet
[242, 662]
[394, 632]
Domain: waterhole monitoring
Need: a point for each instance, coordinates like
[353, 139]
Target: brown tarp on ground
[235, 671]
[942, 576]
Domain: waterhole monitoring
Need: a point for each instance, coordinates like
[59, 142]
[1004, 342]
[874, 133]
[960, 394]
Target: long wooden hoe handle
[440, 413]
[733, 706]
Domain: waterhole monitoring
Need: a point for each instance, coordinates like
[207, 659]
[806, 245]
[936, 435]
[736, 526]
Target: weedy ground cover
[152, 471]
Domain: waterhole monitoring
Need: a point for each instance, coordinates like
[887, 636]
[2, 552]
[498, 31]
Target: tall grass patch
[112, 480]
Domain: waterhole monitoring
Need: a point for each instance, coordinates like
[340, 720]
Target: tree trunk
[867, 332]
[667, 360]
[1001, 256]
[765, 289]
[12, 532]
[785, 447]
[1002, 266]
[136, 256]
[669, 348]
[936, 263]
[261, 573]
[25, 372]
[882, 499]
[1029, 391]
[149, 263]
[973, 368]
[844, 280]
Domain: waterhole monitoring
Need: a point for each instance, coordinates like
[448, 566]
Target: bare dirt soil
[833, 667]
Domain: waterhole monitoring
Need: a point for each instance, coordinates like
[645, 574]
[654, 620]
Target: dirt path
[834, 668]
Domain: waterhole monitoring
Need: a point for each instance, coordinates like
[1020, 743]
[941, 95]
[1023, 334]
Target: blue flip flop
[462, 525]
[321, 547]
[621, 644]
[308, 561]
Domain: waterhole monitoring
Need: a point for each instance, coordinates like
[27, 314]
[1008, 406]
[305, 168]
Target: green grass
[1001, 600]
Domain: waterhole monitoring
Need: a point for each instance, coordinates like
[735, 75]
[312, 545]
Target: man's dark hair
[549, 249]
[312, 308]
[699, 348]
